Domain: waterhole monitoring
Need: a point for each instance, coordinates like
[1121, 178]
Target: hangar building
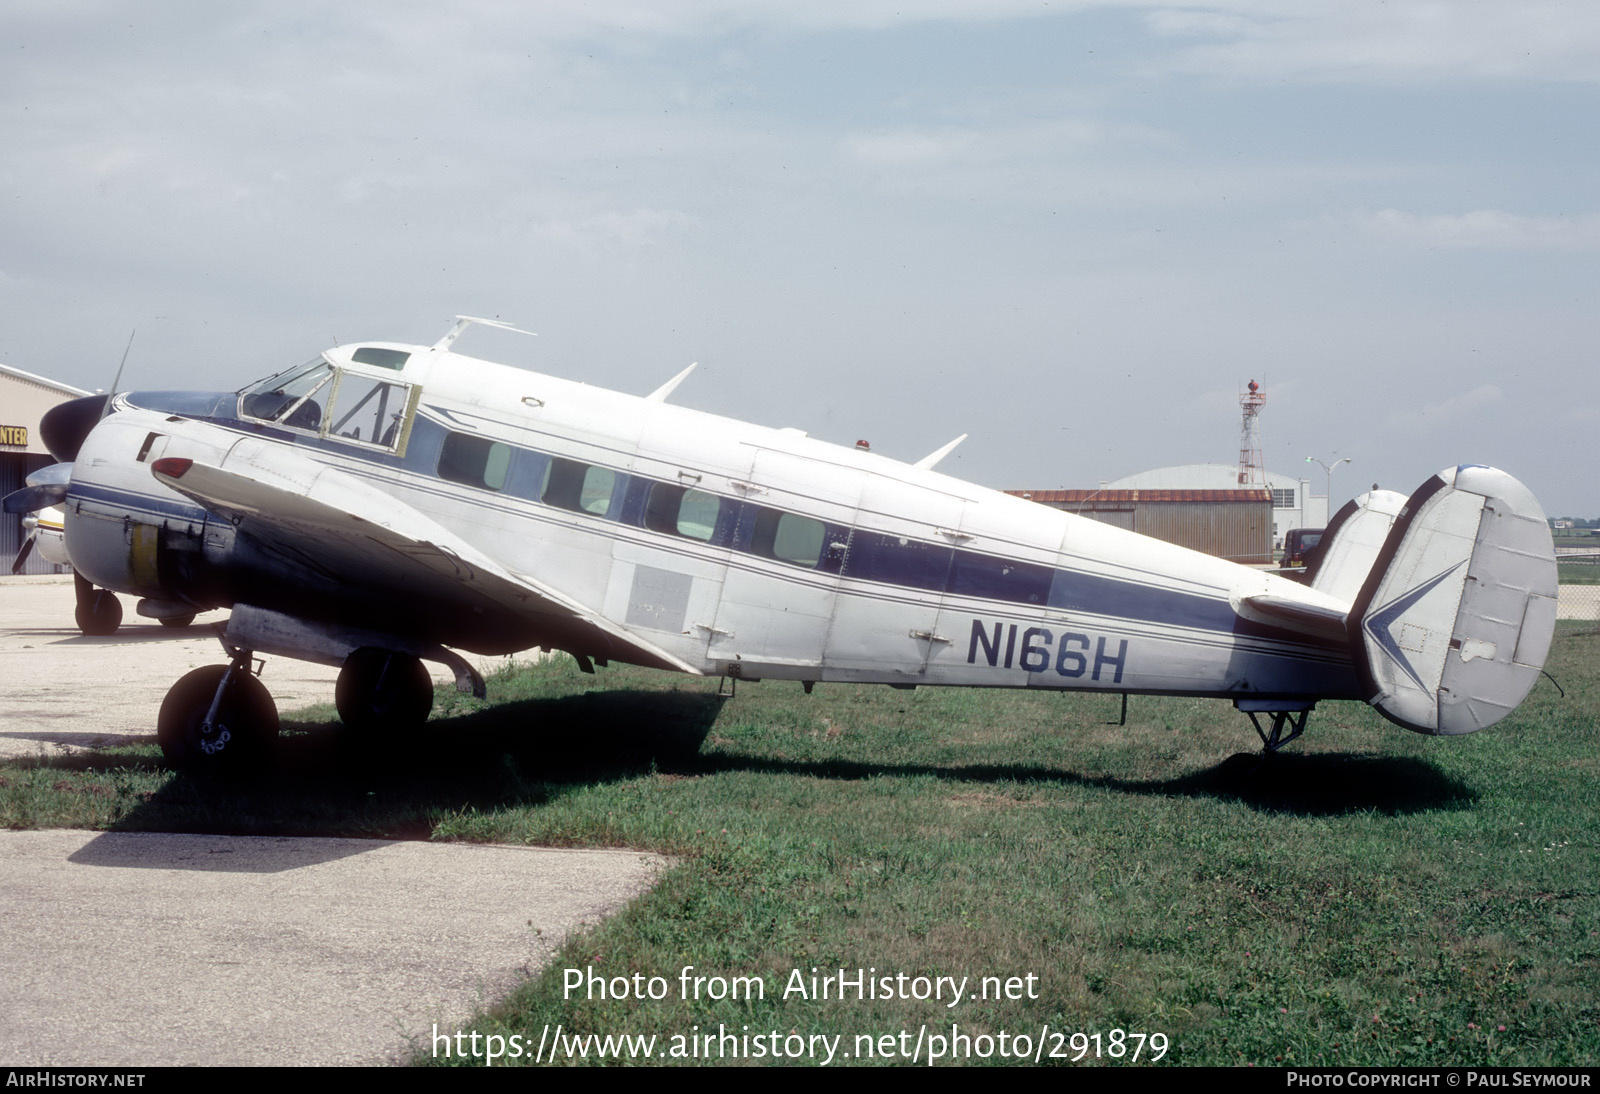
[1200, 506]
[1293, 506]
[24, 398]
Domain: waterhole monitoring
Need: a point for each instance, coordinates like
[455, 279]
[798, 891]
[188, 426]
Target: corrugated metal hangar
[1200, 506]
[1233, 524]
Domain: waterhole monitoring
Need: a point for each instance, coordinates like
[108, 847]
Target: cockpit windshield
[294, 398]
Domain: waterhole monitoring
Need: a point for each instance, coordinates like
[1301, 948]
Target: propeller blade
[22, 555]
[48, 476]
[117, 379]
[31, 499]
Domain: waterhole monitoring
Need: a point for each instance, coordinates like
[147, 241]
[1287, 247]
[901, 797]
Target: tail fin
[1454, 621]
[1351, 544]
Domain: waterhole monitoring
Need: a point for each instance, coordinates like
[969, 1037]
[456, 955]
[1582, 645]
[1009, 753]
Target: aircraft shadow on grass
[570, 741]
[534, 751]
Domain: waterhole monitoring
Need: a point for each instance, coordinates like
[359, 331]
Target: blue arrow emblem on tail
[1378, 624]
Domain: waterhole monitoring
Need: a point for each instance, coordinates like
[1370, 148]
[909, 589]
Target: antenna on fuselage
[464, 321]
[659, 395]
[106, 409]
[927, 462]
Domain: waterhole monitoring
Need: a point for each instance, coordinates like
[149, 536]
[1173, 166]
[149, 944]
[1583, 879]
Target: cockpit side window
[365, 409]
[296, 399]
[335, 403]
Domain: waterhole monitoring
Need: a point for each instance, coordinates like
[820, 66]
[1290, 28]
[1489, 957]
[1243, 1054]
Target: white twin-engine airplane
[386, 502]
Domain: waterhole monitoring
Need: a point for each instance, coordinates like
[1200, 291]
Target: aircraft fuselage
[740, 550]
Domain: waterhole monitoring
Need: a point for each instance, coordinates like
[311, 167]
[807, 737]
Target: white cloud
[1484, 229]
[1364, 41]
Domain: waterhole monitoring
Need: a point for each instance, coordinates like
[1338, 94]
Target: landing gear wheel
[383, 690]
[177, 620]
[99, 612]
[241, 734]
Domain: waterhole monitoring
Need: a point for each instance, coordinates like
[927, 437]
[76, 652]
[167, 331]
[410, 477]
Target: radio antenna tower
[1252, 472]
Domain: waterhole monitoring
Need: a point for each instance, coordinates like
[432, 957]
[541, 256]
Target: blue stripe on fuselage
[872, 556]
[135, 501]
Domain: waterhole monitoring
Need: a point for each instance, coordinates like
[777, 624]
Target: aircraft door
[782, 583]
[885, 625]
[996, 608]
[679, 506]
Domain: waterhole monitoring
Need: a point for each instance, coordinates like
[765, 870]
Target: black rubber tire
[177, 620]
[99, 613]
[383, 691]
[243, 736]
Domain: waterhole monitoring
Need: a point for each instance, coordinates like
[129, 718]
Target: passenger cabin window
[474, 461]
[578, 486]
[677, 510]
[789, 537]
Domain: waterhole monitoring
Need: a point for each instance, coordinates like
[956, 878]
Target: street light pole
[1327, 468]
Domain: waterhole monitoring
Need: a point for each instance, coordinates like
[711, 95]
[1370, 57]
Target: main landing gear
[99, 612]
[218, 719]
[383, 690]
[221, 719]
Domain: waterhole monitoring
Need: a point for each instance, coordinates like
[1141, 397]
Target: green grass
[1578, 573]
[1367, 897]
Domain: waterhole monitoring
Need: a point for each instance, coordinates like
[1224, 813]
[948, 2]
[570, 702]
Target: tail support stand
[1291, 715]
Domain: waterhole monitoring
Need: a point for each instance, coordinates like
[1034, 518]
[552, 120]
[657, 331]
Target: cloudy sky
[1074, 229]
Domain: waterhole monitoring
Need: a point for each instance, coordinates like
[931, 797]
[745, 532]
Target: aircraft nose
[64, 427]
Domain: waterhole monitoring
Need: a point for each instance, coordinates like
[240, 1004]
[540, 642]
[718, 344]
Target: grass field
[1578, 573]
[1367, 897]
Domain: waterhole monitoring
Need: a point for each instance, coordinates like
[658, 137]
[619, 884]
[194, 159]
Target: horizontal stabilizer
[1455, 619]
[1318, 620]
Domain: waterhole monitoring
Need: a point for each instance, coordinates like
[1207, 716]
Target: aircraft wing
[357, 535]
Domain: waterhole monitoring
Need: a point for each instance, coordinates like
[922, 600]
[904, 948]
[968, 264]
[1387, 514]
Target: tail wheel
[383, 690]
[176, 620]
[239, 736]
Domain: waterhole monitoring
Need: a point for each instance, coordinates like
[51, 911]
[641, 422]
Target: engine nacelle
[126, 531]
